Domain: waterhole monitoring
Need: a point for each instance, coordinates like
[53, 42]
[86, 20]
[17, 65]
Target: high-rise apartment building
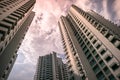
[50, 67]
[91, 44]
[15, 19]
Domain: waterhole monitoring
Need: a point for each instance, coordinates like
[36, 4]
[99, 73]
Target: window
[111, 77]
[83, 27]
[89, 57]
[91, 48]
[100, 76]
[108, 58]
[118, 76]
[88, 33]
[13, 17]
[94, 41]
[113, 40]
[86, 30]
[6, 26]
[85, 49]
[83, 36]
[4, 10]
[106, 70]
[92, 62]
[6, 43]
[7, 68]
[86, 40]
[89, 19]
[108, 35]
[87, 53]
[69, 66]
[68, 61]
[114, 66]
[92, 21]
[104, 30]
[81, 43]
[1, 6]
[96, 69]
[16, 15]
[98, 46]
[102, 64]
[91, 37]
[83, 77]
[72, 78]
[118, 47]
[74, 53]
[88, 43]
[96, 24]
[97, 57]
[3, 76]
[11, 21]
[10, 61]
[102, 52]
[20, 13]
[78, 64]
[94, 52]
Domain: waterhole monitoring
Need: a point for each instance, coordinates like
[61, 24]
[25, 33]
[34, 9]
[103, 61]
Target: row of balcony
[102, 51]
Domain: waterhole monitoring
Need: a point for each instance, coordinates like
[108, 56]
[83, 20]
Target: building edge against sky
[50, 67]
[15, 19]
[91, 44]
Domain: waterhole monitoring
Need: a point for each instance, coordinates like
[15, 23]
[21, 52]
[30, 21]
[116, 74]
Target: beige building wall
[50, 67]
[15, 19]
[93, 42]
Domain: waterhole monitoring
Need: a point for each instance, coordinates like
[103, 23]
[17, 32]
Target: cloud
[42, 39]
[105, 11]
[23, 70]
[107, 8]
[116, 7]
[43, 35]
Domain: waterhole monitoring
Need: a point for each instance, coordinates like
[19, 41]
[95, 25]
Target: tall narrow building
[91, 44]
[50, 67]
[15, 19]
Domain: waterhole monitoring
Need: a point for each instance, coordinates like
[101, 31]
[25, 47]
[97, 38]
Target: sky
[44, 36]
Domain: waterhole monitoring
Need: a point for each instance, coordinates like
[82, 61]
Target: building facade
[15, 19]
[91, 44]
[50, 67]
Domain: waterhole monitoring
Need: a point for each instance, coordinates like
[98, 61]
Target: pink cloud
[117, 10]
[44, 36]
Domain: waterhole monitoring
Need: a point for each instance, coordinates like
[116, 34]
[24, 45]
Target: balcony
[117, 43]
[3, 33]
[7, 25]
[110, 38]
[104, 31]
